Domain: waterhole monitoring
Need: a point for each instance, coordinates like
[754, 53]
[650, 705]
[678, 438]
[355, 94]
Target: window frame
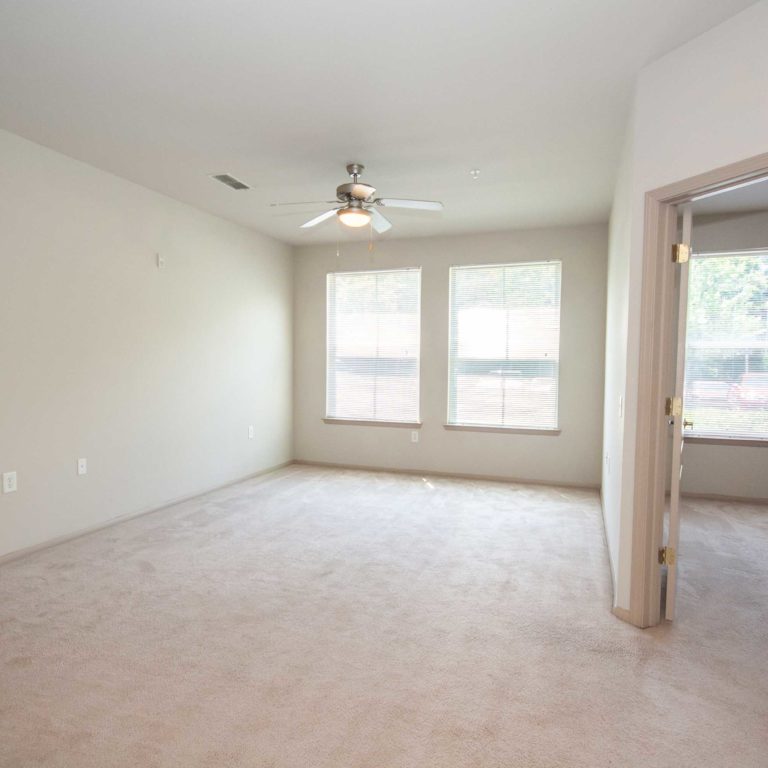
[353, 421]
[477, 427]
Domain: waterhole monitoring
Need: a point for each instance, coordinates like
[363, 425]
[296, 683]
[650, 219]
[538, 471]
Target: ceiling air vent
[230, 181]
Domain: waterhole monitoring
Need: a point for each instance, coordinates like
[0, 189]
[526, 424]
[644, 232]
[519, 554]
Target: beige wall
[695, 109]
[572, 457]
[730, 231]
[153, 376]
[718, 469]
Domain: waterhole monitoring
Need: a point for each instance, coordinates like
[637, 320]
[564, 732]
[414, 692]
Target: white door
[673, 534]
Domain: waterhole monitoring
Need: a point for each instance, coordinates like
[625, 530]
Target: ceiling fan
[356, 205]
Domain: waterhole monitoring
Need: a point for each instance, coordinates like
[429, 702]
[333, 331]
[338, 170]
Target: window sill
[740, 441]
[372, 423]
[506, 430]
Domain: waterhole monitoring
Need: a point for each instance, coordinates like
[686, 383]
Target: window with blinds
[504, 345]
[726, 346]
[373, 345]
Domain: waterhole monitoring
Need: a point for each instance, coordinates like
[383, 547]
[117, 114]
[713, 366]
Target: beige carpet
[340, 619]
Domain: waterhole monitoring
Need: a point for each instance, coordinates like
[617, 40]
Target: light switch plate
[10, 483]
[82, 466]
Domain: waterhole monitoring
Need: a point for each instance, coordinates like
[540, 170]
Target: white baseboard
[262, 473]
[17, 553]
[457, 475]
[725, 497]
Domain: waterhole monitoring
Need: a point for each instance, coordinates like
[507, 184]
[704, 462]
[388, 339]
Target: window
[504, 345]
[726, 346]
[373, 345]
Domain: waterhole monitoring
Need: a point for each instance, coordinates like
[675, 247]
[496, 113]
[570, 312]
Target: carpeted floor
[340, 619]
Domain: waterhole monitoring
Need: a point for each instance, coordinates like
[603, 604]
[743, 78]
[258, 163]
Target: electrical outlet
[9, 482]
[82, 466]
[251, 432]
[414, 435]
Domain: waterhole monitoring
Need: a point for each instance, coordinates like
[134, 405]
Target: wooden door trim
[656, 320]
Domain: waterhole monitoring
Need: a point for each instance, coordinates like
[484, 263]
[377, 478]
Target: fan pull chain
[370, 236]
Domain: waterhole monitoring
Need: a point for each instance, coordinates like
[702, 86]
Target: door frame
[656, 352]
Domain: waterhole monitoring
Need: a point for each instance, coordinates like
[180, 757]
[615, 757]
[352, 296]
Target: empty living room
[383, 385]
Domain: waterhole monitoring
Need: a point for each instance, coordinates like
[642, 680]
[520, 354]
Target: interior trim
[621, 613]
[374, 423]
[725, 497]
[508, 430]
[654, 370]
[15, 554]
[449, 475]
[743, 441]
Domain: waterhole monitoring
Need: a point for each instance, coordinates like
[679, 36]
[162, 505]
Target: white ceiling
[283, 94]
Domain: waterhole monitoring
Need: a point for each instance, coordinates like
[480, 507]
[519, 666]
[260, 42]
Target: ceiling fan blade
[378, 222]
[318, 219]
[306, 202]
[421, 205]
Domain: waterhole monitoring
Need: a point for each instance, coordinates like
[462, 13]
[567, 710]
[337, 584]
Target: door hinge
[673, 406]
[667, 556]
[681, 252]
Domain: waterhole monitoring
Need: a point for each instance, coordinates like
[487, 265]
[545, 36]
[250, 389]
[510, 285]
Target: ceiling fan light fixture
[356, 205]
[353, 217]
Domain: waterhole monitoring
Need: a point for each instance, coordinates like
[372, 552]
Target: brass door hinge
[681, 252]
[667, 556]
[673, 406]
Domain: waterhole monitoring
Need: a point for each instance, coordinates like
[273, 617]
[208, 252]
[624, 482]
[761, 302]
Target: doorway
[719, 425]
[656, 371]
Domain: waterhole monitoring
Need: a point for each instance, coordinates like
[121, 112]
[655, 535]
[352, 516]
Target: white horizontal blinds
[373, 345]
[505, 345]
[726, 355]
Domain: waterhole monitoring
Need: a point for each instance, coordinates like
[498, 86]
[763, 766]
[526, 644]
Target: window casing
[373, 338]
[504, 345]
[726, 346]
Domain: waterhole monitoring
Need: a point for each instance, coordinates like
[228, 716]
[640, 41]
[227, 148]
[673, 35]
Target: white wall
[573, 457]
[700, 107]
[154, 376]
[617, 308]
[725, 470]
